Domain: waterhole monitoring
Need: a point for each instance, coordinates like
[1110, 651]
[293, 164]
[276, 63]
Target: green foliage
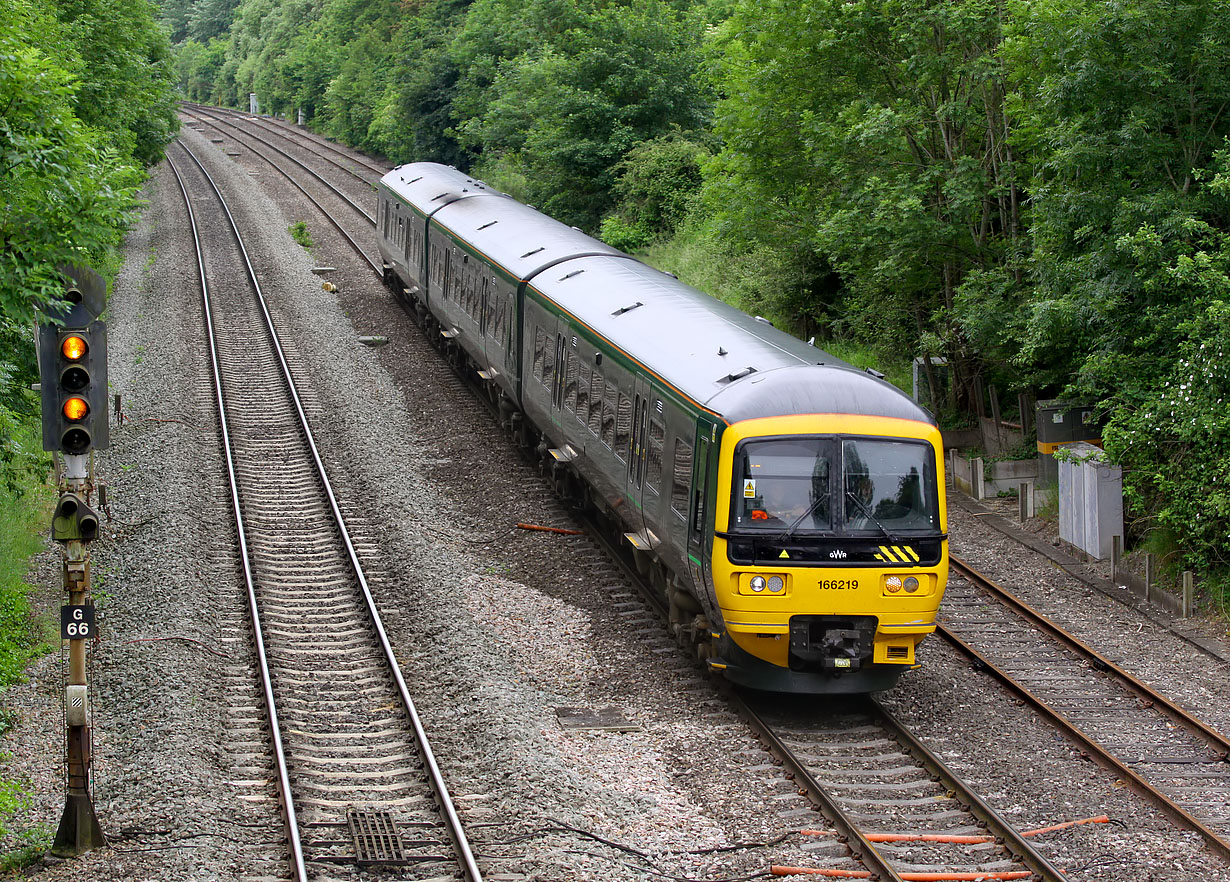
[657, 186]
[85, 91]
[122, 62]
[65, 196]
[866, 138]
[299, 232]
[22, 515]
[1124, 106]
[34, 839]
[1175, 445]
[598, 80]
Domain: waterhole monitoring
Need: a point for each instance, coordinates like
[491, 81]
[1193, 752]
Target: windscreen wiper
[865, 510]
[788, 533]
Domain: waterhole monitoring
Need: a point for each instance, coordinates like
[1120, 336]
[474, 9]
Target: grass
[299, 232]
[24, 516]
[33, 840]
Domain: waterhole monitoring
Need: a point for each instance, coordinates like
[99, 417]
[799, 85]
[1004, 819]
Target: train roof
[722, 358]
[516, 237]
[430, 186]
[718, 356]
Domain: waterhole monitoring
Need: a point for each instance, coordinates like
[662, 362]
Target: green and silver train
[791, 508]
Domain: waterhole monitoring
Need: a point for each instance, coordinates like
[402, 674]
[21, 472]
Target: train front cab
[830, 558]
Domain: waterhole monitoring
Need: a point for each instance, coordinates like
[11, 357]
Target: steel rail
[321, 140]
[1139, 785]
[284, 792]
[974, 804]
[861, 847]
[1219, 742]
[199, 111]
[453, 822]
[218, 120]
[358, 249]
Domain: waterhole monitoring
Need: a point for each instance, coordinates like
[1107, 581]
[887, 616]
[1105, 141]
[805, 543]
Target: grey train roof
[698, 344]
[511, 234]
[705, 347]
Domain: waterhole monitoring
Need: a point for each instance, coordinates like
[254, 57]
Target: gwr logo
[838, 554]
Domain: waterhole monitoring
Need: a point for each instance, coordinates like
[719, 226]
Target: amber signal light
[76, 409]
[74, 348]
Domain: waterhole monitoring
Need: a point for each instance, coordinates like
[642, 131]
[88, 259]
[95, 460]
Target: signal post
[72, 358]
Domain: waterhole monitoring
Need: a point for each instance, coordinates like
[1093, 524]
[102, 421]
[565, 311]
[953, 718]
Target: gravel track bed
[495, 627]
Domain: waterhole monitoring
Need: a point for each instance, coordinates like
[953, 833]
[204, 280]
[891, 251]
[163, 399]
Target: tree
[871, 134]
[568, 109]
[65, 195]
[125, 83]
[1125, 106]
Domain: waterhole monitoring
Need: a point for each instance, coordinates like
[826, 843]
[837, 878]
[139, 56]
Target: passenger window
[653, 465]
[548, 360]
[681, 478]
[623, 426]
[570, 381]
[583, 393]
[595, 404]
[608, 416]
[540, 348]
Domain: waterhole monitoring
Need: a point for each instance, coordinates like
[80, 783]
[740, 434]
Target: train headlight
[758, 584]
[776, 584]
[911, 585]
[892, 584]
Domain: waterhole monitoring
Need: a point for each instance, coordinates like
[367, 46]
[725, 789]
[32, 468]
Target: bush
[1174, 446]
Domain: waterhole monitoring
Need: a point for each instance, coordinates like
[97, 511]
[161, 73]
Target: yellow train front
[829, 552]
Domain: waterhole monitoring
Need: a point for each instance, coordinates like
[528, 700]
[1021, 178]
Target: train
[789, 508]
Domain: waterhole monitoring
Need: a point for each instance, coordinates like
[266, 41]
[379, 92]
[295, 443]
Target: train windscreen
[886, 486]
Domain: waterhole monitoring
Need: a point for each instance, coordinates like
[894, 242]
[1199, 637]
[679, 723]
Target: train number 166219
[839, 584]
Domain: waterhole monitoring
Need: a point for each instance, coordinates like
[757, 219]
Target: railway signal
[72, 366]
[74, 519]
[72, 363]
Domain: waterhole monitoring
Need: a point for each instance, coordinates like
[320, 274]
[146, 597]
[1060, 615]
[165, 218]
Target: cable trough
[357, 780]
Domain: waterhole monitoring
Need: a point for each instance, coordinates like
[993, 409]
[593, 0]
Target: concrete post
[1116, 557]
[1026, 501]
[1149, 576]
[1189, 593]
[978, 478]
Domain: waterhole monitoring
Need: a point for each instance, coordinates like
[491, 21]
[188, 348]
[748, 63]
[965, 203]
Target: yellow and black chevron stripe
[898, 554]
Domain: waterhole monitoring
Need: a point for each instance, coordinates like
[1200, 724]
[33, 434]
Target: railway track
[296, 135]
[901, 810]
[1164, 753]
[356, 776]
[991, 854]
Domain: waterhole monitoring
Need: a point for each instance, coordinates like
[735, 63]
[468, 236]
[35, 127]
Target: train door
[701, 510]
